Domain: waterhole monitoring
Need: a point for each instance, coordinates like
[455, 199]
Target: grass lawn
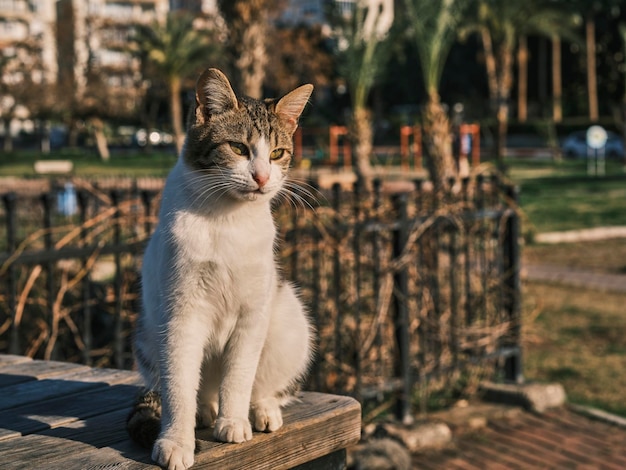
[577, 337]
[561, 196]
[86, 163]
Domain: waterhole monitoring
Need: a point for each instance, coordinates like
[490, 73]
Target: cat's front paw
[266, 415]
[232, 430]
[171, 455]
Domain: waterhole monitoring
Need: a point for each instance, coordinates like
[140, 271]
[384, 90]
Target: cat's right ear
[214, 95]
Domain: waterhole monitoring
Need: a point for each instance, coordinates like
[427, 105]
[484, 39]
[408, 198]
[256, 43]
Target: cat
[221, 338]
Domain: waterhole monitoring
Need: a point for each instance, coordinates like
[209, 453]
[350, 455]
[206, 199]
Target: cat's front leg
[241, 360]
[180, 363]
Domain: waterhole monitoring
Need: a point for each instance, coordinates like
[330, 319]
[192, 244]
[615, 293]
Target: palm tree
[501, 24]
[434, 27]
[362, 40]
[175, 49]
[248, 24]
[589, 9]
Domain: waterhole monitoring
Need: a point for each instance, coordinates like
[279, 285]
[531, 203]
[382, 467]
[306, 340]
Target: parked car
[156, 137]
[575, 145]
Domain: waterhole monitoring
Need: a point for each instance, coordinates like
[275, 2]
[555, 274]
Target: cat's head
[239, 148]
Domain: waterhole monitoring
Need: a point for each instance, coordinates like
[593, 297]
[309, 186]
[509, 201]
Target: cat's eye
[239, 148]
[277, 154]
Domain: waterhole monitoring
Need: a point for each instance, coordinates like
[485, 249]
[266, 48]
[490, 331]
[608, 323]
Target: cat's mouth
[253, 194]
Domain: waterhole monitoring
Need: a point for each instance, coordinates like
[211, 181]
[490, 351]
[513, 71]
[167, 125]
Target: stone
[418, 437]
[379, 454]
[532, 396]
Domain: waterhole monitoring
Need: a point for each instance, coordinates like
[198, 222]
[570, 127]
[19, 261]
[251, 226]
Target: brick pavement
[557, 439]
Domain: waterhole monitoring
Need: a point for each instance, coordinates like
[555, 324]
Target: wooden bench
[58, 415]
[53, 167]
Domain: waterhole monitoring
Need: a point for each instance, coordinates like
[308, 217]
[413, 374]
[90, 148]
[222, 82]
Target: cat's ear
[290, 106]
[214, 95]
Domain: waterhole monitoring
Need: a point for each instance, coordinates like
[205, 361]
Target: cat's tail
[144, 420]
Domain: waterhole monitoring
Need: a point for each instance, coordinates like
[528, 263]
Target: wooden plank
[7, 359]
[63, 385]
[40, 390]
[108, 430]
[87, 428]
[24, 371]
[105, 376]
[14, 372]
[316, 426]
[37, 416]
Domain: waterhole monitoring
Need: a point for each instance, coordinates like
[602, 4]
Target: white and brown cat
[221, 335]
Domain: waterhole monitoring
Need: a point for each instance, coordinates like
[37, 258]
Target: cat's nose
[260, 178]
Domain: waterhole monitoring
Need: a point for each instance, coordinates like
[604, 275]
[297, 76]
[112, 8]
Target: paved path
[582, 235]
[558, 439]
[575, 277]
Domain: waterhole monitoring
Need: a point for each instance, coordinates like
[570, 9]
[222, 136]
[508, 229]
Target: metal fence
[406, 290]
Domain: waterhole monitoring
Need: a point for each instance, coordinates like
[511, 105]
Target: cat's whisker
[220, 189]
[295, 199]
[295, 190]
[305, 186]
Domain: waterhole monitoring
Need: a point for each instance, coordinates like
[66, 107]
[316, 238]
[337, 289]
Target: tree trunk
[362, 143]
[437, 140]
[592, 83]
[8, 138]
[490, 64]
[44, 132]
[72, 136]
[522, 83]
[252, 59]
[557, 84]
[505, 83]
[177, 113]
[502, 116]
[101, 140]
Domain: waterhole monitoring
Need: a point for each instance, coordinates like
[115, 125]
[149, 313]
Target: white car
[575, 145]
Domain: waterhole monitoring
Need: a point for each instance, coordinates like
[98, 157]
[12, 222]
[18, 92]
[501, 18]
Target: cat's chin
[256, 195]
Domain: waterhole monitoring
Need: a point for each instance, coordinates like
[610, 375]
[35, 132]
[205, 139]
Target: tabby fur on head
[221, 337]
[240, 147]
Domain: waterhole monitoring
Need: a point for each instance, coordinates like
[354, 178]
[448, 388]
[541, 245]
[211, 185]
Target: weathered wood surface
[56, 415]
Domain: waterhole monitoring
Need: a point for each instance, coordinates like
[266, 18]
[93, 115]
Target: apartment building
[72, 36]
[75, 36]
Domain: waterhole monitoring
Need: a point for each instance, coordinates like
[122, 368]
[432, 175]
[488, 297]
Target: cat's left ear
[290, 106]
[214, 94]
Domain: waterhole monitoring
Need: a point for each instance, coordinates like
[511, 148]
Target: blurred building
[313, 12]
[28, 56]
[69, 39]
[206, 7]
[75, 39]
[24, 20]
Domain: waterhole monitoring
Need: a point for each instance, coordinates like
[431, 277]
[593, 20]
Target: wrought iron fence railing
[407, 291]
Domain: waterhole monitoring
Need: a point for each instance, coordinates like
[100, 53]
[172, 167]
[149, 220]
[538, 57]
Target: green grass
[576, 337]
[87, 163]
[561, 196]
